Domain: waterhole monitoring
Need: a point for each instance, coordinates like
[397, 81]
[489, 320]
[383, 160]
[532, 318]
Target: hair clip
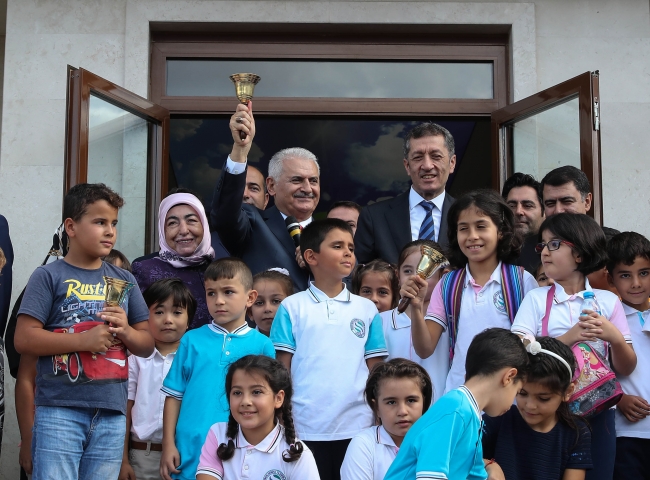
[534, 347]
[283, 271]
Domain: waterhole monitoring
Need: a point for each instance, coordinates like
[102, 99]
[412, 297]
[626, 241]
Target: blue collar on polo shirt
[382, 437]
[318, 296]
[243, 330]
[270, 442]
[562, 296]
[472, 400]
[643, 316]
[415, 199]
[399, 320]
[495, 277]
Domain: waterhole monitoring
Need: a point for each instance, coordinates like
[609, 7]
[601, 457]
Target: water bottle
[589, 302]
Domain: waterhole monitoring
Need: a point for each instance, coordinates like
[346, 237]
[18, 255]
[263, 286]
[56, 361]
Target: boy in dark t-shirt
[81, 381]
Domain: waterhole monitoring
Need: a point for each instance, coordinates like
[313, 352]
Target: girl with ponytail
[259, 437]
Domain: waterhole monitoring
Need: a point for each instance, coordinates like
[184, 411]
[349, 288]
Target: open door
[116, 137]
[555, 127]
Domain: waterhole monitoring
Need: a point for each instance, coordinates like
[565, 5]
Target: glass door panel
[116, 137]
[118, 151]
[555, 127]
[547, 140]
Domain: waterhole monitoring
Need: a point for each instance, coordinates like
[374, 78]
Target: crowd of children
[332, 383]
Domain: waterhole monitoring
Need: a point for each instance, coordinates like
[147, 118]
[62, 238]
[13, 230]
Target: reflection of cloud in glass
[224, 149]
[183, 128]
[379, 165]
[332, 78]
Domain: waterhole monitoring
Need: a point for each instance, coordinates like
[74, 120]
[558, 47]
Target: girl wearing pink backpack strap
[572, 247]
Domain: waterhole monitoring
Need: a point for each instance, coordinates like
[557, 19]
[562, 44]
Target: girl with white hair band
[539, 438]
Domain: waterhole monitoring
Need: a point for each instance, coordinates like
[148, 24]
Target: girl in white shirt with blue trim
[399, 392]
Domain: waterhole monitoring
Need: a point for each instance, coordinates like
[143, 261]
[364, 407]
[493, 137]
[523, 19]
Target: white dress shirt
[146, 376]
[418, 213]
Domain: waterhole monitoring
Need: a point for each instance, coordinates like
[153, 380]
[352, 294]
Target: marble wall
[552, 40]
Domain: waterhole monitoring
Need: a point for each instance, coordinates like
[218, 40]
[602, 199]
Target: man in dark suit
[523, 194]
[260, 237]
[421, 212]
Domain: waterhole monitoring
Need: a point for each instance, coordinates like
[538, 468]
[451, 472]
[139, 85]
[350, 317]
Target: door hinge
[596, 115]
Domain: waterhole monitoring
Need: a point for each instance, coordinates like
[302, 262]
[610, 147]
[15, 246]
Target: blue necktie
[427, 231]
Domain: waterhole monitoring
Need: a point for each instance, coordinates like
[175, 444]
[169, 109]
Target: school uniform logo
[358, 327]
[499, 302]
[274, 475]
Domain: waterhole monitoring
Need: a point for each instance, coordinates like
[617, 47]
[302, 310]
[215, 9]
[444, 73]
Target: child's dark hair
[345, 204]
[493, 206]
[413, 246]
[160, 290]
[314, 234]
[278, 378]
[230, 267]
[117, 255]
[625, 248]
[281, 278]
[551, 373]
[494, 349]
[397, 368]
[379, 266]
[79, 197]
[584, 233]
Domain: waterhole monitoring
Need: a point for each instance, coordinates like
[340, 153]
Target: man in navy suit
[260, 237]
[420, 213]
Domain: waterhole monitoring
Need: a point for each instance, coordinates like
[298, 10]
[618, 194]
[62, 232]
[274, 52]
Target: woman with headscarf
[185, 250]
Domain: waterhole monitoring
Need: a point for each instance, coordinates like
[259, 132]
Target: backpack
[596, 386]
[512, 288]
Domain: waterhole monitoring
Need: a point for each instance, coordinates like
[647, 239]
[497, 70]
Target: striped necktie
[427, 230]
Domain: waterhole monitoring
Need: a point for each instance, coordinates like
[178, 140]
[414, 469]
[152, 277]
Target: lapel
[275, 222]
[398, 218]
[446, 205]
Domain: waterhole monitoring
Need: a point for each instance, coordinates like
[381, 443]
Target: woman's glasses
[552, 245]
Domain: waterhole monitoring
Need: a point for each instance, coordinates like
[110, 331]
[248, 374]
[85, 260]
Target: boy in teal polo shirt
[196, 383]
[445, 443]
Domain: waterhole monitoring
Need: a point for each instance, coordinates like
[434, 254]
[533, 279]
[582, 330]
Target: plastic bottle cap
[588, 295]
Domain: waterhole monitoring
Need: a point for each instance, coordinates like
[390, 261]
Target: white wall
[553, 40]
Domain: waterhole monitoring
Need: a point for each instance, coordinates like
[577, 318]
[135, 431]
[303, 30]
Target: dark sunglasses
[552, 245]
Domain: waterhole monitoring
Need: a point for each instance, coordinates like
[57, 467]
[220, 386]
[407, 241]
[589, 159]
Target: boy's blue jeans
[71, 443]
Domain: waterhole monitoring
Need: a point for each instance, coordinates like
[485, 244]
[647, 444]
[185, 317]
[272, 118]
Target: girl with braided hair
[259, 439]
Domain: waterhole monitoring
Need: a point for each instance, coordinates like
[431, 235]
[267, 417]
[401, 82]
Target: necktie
[427, 232]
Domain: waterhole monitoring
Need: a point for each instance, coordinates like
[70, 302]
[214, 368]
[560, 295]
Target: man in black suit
[523, 194]
[260, 237]
[385, 227]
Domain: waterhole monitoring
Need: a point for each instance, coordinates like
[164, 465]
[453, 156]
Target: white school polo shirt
[369, 455]
[330, 339]
[146, 376]
[565, 311]
[256, 462]
[638, 382]
[397, 332]
[481, 307]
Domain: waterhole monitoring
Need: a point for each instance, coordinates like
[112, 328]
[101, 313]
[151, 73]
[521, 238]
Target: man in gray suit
[421, 212]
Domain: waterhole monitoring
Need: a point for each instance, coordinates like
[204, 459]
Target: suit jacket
[385, 227]
[258, 237]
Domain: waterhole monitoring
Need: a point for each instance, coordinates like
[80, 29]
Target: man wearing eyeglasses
[523, 194]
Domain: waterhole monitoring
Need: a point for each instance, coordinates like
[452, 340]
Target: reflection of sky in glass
[360, 159]
[106, 119]
[343, 79]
